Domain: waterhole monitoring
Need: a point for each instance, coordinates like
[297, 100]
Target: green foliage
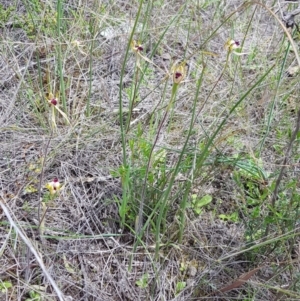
[233, 217]
[40, 18]
[197, 203]
[143, 281]
[254, 190]
[260, 217]
[5, 285]
[5, 14]
[180, 286]
[34, 296]
[140, 150]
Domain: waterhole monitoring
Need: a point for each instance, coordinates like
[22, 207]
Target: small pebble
[192, 271]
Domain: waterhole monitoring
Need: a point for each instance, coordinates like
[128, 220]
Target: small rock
[192, 271]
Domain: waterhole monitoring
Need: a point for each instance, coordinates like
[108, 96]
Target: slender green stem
[125, 183]
[59, 55]
[183, 203]
[133, 93]
[88, 104]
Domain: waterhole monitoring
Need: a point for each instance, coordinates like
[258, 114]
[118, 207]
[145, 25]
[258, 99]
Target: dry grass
[83, 245]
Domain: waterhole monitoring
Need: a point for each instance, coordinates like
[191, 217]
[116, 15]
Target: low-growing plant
[5, 285]
[34, 296]
[143, 282]
[5, 14]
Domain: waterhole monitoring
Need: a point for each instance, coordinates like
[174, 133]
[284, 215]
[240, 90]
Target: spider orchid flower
[136, 46]
[54, 186]
[232, 45]
[179, 71]
[53, 102]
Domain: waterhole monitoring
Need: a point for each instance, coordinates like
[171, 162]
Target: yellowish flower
[54, 186]
[179, 71]
[136, 46]
[232, 45]
[53, 102]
